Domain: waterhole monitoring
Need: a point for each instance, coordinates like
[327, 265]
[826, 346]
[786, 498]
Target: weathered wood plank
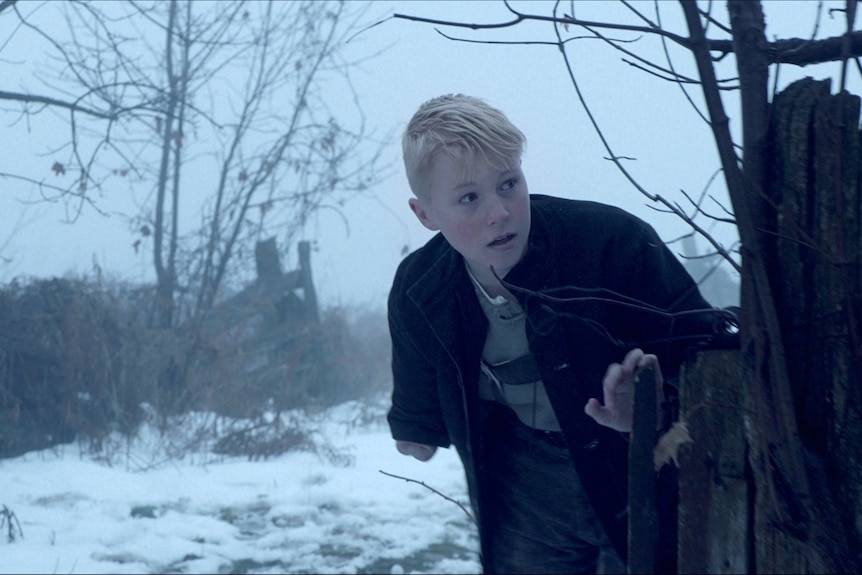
[714, 527]
[815, 187]
[790, 186]
[835, 298]
[643, 516]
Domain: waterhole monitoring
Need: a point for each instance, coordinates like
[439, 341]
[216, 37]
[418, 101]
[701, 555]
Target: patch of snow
[299, 512]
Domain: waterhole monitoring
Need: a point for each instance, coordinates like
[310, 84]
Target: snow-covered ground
[300, 512]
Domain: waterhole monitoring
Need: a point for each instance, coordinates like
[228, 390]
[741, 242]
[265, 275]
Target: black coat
[612, 285]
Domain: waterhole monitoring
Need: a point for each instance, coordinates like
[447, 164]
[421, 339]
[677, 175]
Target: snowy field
[301, 512]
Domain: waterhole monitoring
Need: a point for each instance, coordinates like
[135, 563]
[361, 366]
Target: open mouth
[502, 240]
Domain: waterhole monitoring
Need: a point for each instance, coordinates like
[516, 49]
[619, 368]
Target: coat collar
[445, 297]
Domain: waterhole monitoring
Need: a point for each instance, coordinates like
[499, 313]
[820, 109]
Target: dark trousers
[539, 520]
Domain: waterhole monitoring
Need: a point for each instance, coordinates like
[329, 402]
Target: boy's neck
[490, 286]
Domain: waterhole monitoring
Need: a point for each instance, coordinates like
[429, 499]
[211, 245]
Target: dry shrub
[262, 438]
[78, 360]
[315, 365]
[59, 348]
[359, 351]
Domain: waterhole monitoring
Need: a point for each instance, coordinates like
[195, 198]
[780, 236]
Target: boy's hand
[618, 389]
[420, 451]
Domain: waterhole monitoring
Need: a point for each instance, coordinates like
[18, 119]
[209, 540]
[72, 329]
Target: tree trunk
[165, 277]
[782, 515]
[735, 493]
[794, 530]
[815, 146]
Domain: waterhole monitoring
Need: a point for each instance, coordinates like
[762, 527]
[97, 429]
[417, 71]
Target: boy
[506, 327]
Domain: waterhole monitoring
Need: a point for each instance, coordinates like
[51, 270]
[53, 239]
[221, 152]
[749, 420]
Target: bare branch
[431, 489]
[699, 209]
[42, 185]
[156, 102]
[707, 16]
[564, 20]
[668, 75]
[846, 40]
[53, 193]
[617, 160]
[48, 101]
[508, 42]
[6, 4]
[799, 52]
[572, 294]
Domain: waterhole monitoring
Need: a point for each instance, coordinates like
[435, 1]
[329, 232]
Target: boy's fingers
[649, 360]
[595, 410]
[613, 377]
[633, 360]
[420, 451]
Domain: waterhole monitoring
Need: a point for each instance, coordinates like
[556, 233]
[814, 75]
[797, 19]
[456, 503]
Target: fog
[643, 117]
[648, 121]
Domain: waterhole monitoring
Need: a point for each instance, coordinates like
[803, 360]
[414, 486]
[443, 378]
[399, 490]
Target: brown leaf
[668, 445]
[58, 169]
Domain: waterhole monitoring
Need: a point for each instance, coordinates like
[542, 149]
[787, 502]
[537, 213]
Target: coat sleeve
[415, 414]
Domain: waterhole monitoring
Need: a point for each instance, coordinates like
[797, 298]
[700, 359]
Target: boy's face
[482, 209]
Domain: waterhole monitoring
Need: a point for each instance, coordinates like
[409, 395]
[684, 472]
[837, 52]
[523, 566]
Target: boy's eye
[467, 198]
[509, 184]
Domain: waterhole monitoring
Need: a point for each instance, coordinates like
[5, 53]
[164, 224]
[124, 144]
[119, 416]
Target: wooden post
[267, 261]
[643, 517]
[306, 281]
[715, 504]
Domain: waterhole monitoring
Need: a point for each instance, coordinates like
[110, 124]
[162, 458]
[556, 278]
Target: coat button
[592, 444]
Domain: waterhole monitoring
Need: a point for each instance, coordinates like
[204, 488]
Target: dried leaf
[668, 445]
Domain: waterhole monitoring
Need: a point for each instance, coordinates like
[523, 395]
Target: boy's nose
[497, 212]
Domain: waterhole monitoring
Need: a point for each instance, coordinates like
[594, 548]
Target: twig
[566, 20]
[426, 486]
[9, 520]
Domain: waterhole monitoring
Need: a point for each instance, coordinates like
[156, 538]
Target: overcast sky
[642, 116]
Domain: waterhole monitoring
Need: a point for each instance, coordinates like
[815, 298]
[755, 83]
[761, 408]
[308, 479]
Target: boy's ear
[422, 214]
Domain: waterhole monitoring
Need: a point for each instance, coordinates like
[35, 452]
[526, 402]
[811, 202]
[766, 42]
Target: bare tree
[241, 110]
[796, 507]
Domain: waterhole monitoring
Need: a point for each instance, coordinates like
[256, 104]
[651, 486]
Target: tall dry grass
[79, 362]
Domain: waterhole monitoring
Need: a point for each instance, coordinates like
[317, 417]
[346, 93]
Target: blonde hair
[456, 124]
